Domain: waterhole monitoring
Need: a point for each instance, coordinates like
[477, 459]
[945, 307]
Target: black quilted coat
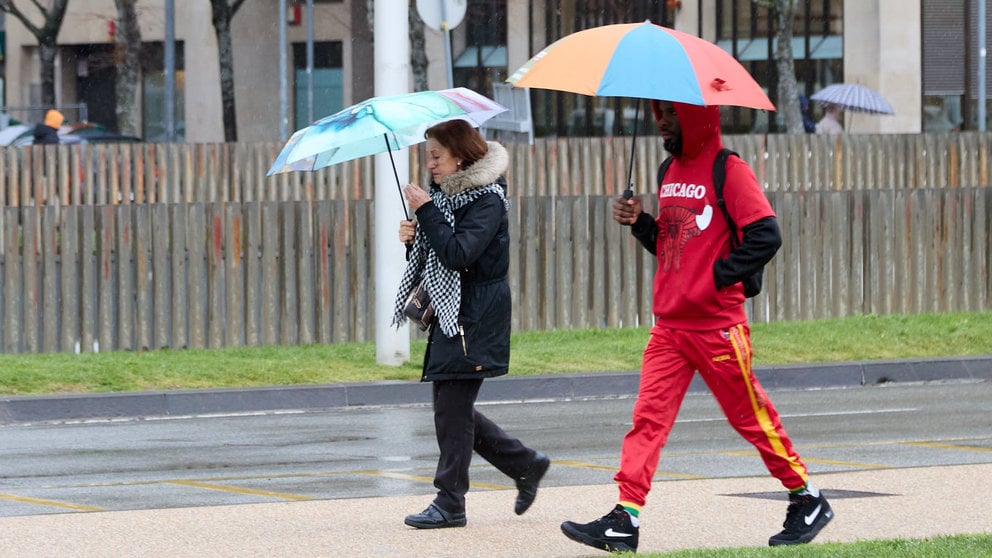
[479, 247]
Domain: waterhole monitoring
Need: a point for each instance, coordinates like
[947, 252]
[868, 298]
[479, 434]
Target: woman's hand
[415, 196]
[408, 229]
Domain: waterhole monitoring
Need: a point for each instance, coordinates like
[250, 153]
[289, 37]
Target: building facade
[910, 52]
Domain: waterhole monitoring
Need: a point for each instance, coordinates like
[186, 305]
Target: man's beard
[674, 145]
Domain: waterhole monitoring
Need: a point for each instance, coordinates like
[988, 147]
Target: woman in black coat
[461, 252]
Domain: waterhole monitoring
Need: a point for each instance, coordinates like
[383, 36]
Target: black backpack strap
[663, 168]
[719, 177]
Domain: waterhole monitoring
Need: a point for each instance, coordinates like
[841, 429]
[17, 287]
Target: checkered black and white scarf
[443, 284]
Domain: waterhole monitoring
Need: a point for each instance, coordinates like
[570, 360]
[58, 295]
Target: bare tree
[46, 34]
[788, 90]
[223, 13]
[363, 73]
[127, 53]
[418, 54]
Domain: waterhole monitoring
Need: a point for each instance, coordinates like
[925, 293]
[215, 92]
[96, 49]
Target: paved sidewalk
[878, 504]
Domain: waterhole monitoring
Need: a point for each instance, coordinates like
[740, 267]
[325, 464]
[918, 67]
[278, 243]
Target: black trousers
[460, 430]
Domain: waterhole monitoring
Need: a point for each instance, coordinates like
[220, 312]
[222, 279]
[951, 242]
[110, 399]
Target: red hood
[700, 128]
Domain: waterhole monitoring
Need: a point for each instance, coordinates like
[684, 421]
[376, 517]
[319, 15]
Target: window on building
[483, 60]
[96, 74]
[153, 93]
[747, 31]
[327, 82]
[950, 66]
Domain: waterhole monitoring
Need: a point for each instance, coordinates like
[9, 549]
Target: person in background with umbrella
[701, 324]
[833, 115]
[460, 250]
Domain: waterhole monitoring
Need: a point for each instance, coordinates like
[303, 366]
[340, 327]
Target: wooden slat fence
[124, 174]
[228, 274]
[133, 247]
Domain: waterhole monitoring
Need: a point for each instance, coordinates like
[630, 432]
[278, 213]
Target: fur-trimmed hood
[483, 172]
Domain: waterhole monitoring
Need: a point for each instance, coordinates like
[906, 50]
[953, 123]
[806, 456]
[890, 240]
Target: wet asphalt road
[361, 452]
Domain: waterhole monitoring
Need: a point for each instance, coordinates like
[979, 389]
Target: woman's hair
[461, 139]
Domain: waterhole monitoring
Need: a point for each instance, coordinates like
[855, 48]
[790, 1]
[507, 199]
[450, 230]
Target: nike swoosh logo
[812, 517]
[611, 533]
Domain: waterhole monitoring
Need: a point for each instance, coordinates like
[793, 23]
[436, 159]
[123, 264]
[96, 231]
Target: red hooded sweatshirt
[692, 231]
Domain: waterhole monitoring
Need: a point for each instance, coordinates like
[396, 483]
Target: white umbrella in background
[853, 98]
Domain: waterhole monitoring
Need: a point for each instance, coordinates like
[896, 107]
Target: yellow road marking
[43, 502]
[682, 476]
[240, 490]
[839, 463]
[581, 465]
[855, 464]
[421, 478]
[948, 446]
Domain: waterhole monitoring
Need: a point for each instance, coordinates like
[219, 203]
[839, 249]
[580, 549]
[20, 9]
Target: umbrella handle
[397, 175]
[629, 192]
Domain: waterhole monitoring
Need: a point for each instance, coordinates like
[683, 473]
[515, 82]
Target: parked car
[22, 134]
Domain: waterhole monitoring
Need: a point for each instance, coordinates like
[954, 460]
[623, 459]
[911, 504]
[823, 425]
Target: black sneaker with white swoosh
[807, 514]
[613, 532]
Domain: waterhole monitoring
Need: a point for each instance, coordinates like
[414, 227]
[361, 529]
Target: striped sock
[633, 510]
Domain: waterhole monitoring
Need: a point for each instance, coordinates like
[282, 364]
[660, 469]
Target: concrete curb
[566, 386]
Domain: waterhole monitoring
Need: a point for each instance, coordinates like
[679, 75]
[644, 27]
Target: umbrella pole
[397, 175]
[409, 245]
[629, 192]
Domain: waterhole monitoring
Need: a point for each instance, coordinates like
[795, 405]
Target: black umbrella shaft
[629, 192]
[397, 176]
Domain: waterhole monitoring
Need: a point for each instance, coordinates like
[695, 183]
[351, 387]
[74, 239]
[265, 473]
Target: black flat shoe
[527, 484]
[435, 518]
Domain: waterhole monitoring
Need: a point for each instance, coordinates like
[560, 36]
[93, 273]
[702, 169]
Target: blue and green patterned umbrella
[380, 124]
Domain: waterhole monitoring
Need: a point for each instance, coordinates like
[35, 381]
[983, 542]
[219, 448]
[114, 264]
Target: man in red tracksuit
[700, 324]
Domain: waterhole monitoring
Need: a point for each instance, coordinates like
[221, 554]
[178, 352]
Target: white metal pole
[392, 77]
[447, 45]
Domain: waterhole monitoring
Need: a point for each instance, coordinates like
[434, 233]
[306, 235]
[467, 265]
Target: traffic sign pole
[443, 15]
[447, 45]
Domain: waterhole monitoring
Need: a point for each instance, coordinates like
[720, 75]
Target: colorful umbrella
[644, 61]
[854, 98]
[380, 124]
[385, 123]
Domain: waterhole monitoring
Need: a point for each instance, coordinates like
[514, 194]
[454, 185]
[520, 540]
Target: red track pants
[723, 359]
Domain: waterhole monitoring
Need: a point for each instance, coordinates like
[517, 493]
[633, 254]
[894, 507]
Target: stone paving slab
[877, 504]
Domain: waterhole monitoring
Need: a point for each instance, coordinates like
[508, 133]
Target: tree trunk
[418, 54]
[788, 91]
[222, 14]
[46, 54]
[127, 51]
[362, 72]
[47, 36]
